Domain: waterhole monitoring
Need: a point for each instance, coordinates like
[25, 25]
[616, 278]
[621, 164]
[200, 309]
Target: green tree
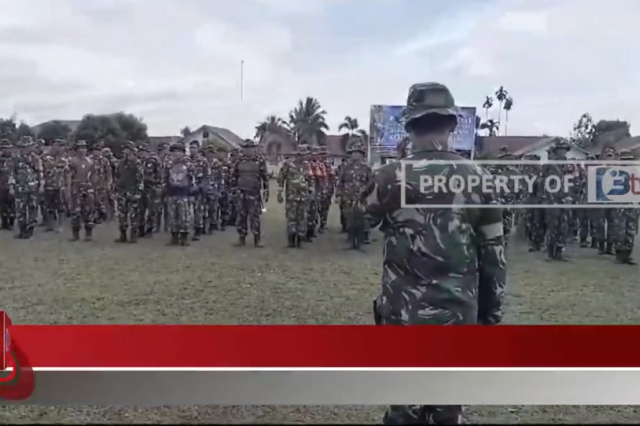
[487, 105]
[185, 131]
[8, 128]
[501, 96]
[507, 106]
[583, 131]
[54, 130]
[308, 122]
[113, 129]
[24, 130]
[491, 126]
[271, 124]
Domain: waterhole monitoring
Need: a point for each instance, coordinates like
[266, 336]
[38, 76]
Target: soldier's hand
[280, 197]
[12, 191]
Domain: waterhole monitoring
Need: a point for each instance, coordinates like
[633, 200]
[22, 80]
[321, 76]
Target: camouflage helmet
[106, 151]
[143, 147]
[98, 145]
[428, 98]
[5, 143]
[80, 144]
[129, 145]
[40, 142]
[356, 145]
[221, 148]
[162, 146]
[302, 149]
[25, 141]
[627, 154]
[560, 144]
[177, 147]
[249, 143]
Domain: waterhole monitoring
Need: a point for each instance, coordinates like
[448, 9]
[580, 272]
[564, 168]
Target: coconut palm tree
[185, 131]
[351, 126]
[501, 95]
[491, 126]
[307, 122]
[271, 124]
[508, 104]
[487, 105]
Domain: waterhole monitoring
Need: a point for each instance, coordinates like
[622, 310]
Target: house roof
[155, 141]
[491, 145]
[226, 134]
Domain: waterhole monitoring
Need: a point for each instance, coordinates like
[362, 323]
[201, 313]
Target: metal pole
[242, 80]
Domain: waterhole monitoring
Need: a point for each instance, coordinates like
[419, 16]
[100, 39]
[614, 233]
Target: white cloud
[177, 62]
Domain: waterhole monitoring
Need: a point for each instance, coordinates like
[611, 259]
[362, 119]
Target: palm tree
[508, 104]
[271, 124]
[501, 95]
[488, 103]
[307, 122]
[185, 131]
[351, 126]
[491, 126]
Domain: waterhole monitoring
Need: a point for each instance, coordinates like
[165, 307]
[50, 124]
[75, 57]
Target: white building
[219, 134]
[541, 148]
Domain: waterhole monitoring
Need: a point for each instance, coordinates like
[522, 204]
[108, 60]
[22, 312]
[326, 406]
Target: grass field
[51, 281]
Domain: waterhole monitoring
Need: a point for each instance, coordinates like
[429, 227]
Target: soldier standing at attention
[129, 187]
[102, 181]
[296, 180]
[202, 171]
[441, 266]
[354, 177]
[7, 212]
[250, 179]
[328, 188]
[626, 220]
[343, 218]
[179, 184]
[317, 171]
[150, 202]
[80, 192]
[164, 155]
[224, 202]
[215, 186]
[26, 184]
[234, 156]
[55, 169]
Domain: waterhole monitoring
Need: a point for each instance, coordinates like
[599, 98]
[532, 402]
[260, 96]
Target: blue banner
[387, 130]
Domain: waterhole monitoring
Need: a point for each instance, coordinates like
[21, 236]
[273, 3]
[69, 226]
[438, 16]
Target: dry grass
[49, 280]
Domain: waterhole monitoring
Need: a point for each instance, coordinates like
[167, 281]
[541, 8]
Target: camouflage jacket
[191, 176]
[202, 170]
[216, 183]
[249, 174]
[152, 171]
[353, 178]
[129, 176]
[440, 265]
[4, 172]
[54, 169]
[296, 180]
[102, 172]
[25, 173]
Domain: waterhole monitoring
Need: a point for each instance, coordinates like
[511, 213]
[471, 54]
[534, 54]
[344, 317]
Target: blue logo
[615, 184]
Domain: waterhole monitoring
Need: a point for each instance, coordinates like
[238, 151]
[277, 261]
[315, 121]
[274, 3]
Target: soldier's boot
[75, 234]
[213, 227]
[49, 227]
[602, 248]
[197, 232]
[133, 235]
[22, 232]
[123, 236]
[149, 232]
[5, 223]
[184, 239]
[88, 233]
[624, 257]
[560, 254]
[551, 252]
[584, 243]
[367, 239]
[141, 231]
[223, 227]
[594, 243]
[242, 241]
[298, 241]
[175, 239]
[29, 232]
[256, 241]
[291, 240]
[609, 250]
[309, 235]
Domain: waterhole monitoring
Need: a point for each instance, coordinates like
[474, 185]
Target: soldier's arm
[264, 176]
[374, 197]
[108, 173]
[140, 174]
[282, 174]
[234, 174]
[12, 173]
[492, 265]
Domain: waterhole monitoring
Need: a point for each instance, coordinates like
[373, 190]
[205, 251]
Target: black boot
[148, 233]
[22, 232]
[75, 233]
[594, 243]
[5, 223]
[196, 234]
[309, 235]
[175, 239]
[559, 254]
[29, 232]
[584, 243]
[624, 257]
[601, 248]
[256, 241]
[291, 241]
[184, 239]
[242, 240]
[141, 231]
[609, 250]
[123, 236]
[88, 233]
[133, 236]
[298, 241]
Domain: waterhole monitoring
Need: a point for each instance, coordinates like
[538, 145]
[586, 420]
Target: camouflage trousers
[128, 211]
[198, 206]
[605, 223]
[7, 205]
[296, 215]
[507, 224]
[325, 206]
[101, 202]
[233, 206]
[82, 207]
[626, 229]
[248, 209]
[179, 214]
[212, 210]
[224, 206]
[557, 226]
[312, 214]
[53, 206]
[345, 212]
[27, 208]
[536, 227]
[586, 225]
[150, 206]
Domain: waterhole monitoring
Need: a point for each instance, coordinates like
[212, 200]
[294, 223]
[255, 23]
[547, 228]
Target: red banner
[17, 380]
[327, 346]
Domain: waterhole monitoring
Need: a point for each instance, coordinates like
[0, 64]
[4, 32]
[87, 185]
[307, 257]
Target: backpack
[179, 176]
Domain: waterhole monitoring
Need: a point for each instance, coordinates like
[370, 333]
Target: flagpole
[242, 80]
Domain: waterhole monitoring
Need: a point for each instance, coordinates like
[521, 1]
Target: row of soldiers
[611, 231]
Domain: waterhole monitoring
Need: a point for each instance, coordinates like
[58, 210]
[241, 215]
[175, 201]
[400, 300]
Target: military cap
[302, 149]
[96, 147]
[429, 98]
[99, 145]
[25, 141]
[106, 151]
[194, 142]
[129, 145]
[5, 143]
[143, 147]
[40, 142]
[177, 147]
[627, 154]
[249, 143]
[561, 144]
[162, 146]
[222, 148]
[356, 145]
[80, 144]
[57, 142]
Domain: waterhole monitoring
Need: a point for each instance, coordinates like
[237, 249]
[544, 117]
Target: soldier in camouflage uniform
[102, 181]
[151, 199]
[297, 182]
[343, 219]
[318, 173]
[586, 227]
[26, 184]
[129, 187]
[440, 267]
[234, 156]
[606, 227]
[250, 179]
[354, 176]
[7, 207]
[179, 184]
[224, 200]
[215, 187]
[627, 222]
[202, 170]
[557, 218]
[55, 169]
[80, 192]
[111, 202]
[509, 198]
[164, 155]
[328, 188]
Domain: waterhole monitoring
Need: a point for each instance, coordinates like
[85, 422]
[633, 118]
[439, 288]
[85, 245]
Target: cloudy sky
[177, 62]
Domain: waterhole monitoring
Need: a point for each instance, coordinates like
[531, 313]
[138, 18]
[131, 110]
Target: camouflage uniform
[202, 170]
[535, 223]
[214, 188]
[509, 198]
[313, 206]
[627, 220]
[80, 193]
[113, 164]
[586, 227]
[225, 193]
[441, 266]
[164, 156]
[343, 219]
[250, 180]
[102, 182]
[26, 183]
[328, 188]
[7, 207]
[55, 168]
[296, 180]
[354, 176]
[234, 156]
[151, 199]
[179, 184]
[605, 224]
[129, 183]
